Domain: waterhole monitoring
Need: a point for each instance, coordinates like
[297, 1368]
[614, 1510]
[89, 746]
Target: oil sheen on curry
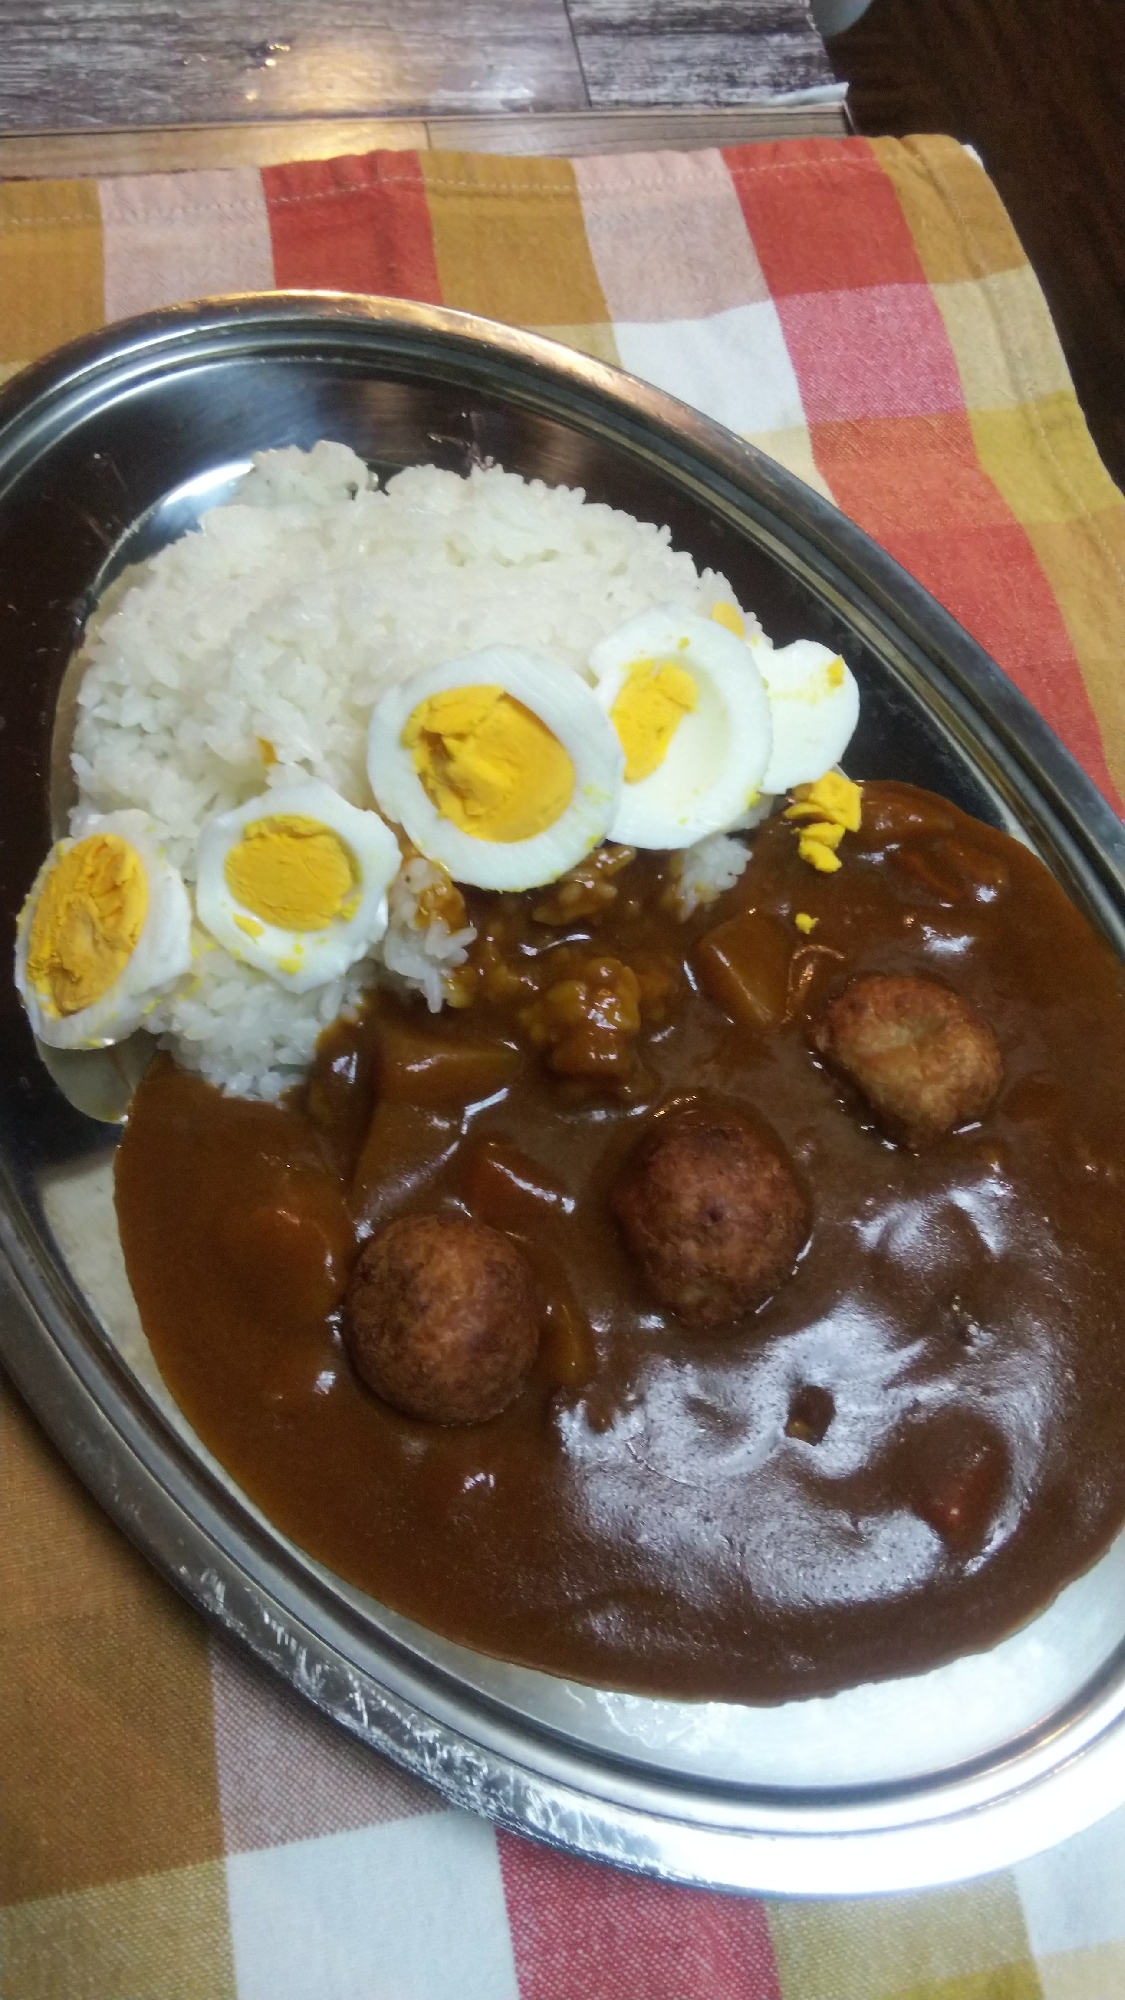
[726, 1309]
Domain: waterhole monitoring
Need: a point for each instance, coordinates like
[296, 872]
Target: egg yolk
[730, 617]
[90, 913]
[829, 807]
[488, 764]
[292, 872]
[652, 704]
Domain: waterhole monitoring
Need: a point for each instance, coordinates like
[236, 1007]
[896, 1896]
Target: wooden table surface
[67, 64]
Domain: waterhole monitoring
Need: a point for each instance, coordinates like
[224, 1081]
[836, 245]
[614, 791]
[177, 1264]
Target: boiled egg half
[104, 934]
[295, 882]
[500, 765]
[814, 705]
[687, 702]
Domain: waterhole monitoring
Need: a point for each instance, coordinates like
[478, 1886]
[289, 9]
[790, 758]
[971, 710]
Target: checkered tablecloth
[173, 1826]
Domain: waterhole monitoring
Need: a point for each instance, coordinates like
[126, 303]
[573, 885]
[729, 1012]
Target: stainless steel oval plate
[107, 452]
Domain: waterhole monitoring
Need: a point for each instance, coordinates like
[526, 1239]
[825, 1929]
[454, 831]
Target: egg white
[565, 706]
[813, 722]
[298, 960]
[713, 769]
[160, 957]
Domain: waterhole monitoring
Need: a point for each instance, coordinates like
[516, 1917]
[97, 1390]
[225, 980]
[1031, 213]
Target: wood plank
[79, 64]
[158, 149]
[64, 155]
[697, 52]
[1035, 87]
[637, 131]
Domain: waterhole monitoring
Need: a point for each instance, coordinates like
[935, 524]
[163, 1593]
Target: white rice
[281, 621]
[421, 952]
[704, 872]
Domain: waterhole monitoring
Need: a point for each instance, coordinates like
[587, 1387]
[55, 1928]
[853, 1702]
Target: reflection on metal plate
[99, 1082]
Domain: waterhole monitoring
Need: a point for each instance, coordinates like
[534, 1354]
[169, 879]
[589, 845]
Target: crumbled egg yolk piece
[292, 872]
[730, 616]
[818, 853]
[652, 704]
[832, 797]
[266, 751]
[805, 923]
[829, 808]
[488, 764]
[89, 916]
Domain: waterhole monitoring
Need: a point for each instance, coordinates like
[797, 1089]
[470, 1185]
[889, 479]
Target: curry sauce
[902, 1455]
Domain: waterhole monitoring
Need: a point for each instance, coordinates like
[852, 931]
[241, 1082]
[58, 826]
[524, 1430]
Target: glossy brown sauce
[901, 1456]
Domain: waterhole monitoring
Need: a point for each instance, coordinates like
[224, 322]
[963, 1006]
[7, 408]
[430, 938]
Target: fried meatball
[924, 1060]
[713, 1214]
[442, 1318]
